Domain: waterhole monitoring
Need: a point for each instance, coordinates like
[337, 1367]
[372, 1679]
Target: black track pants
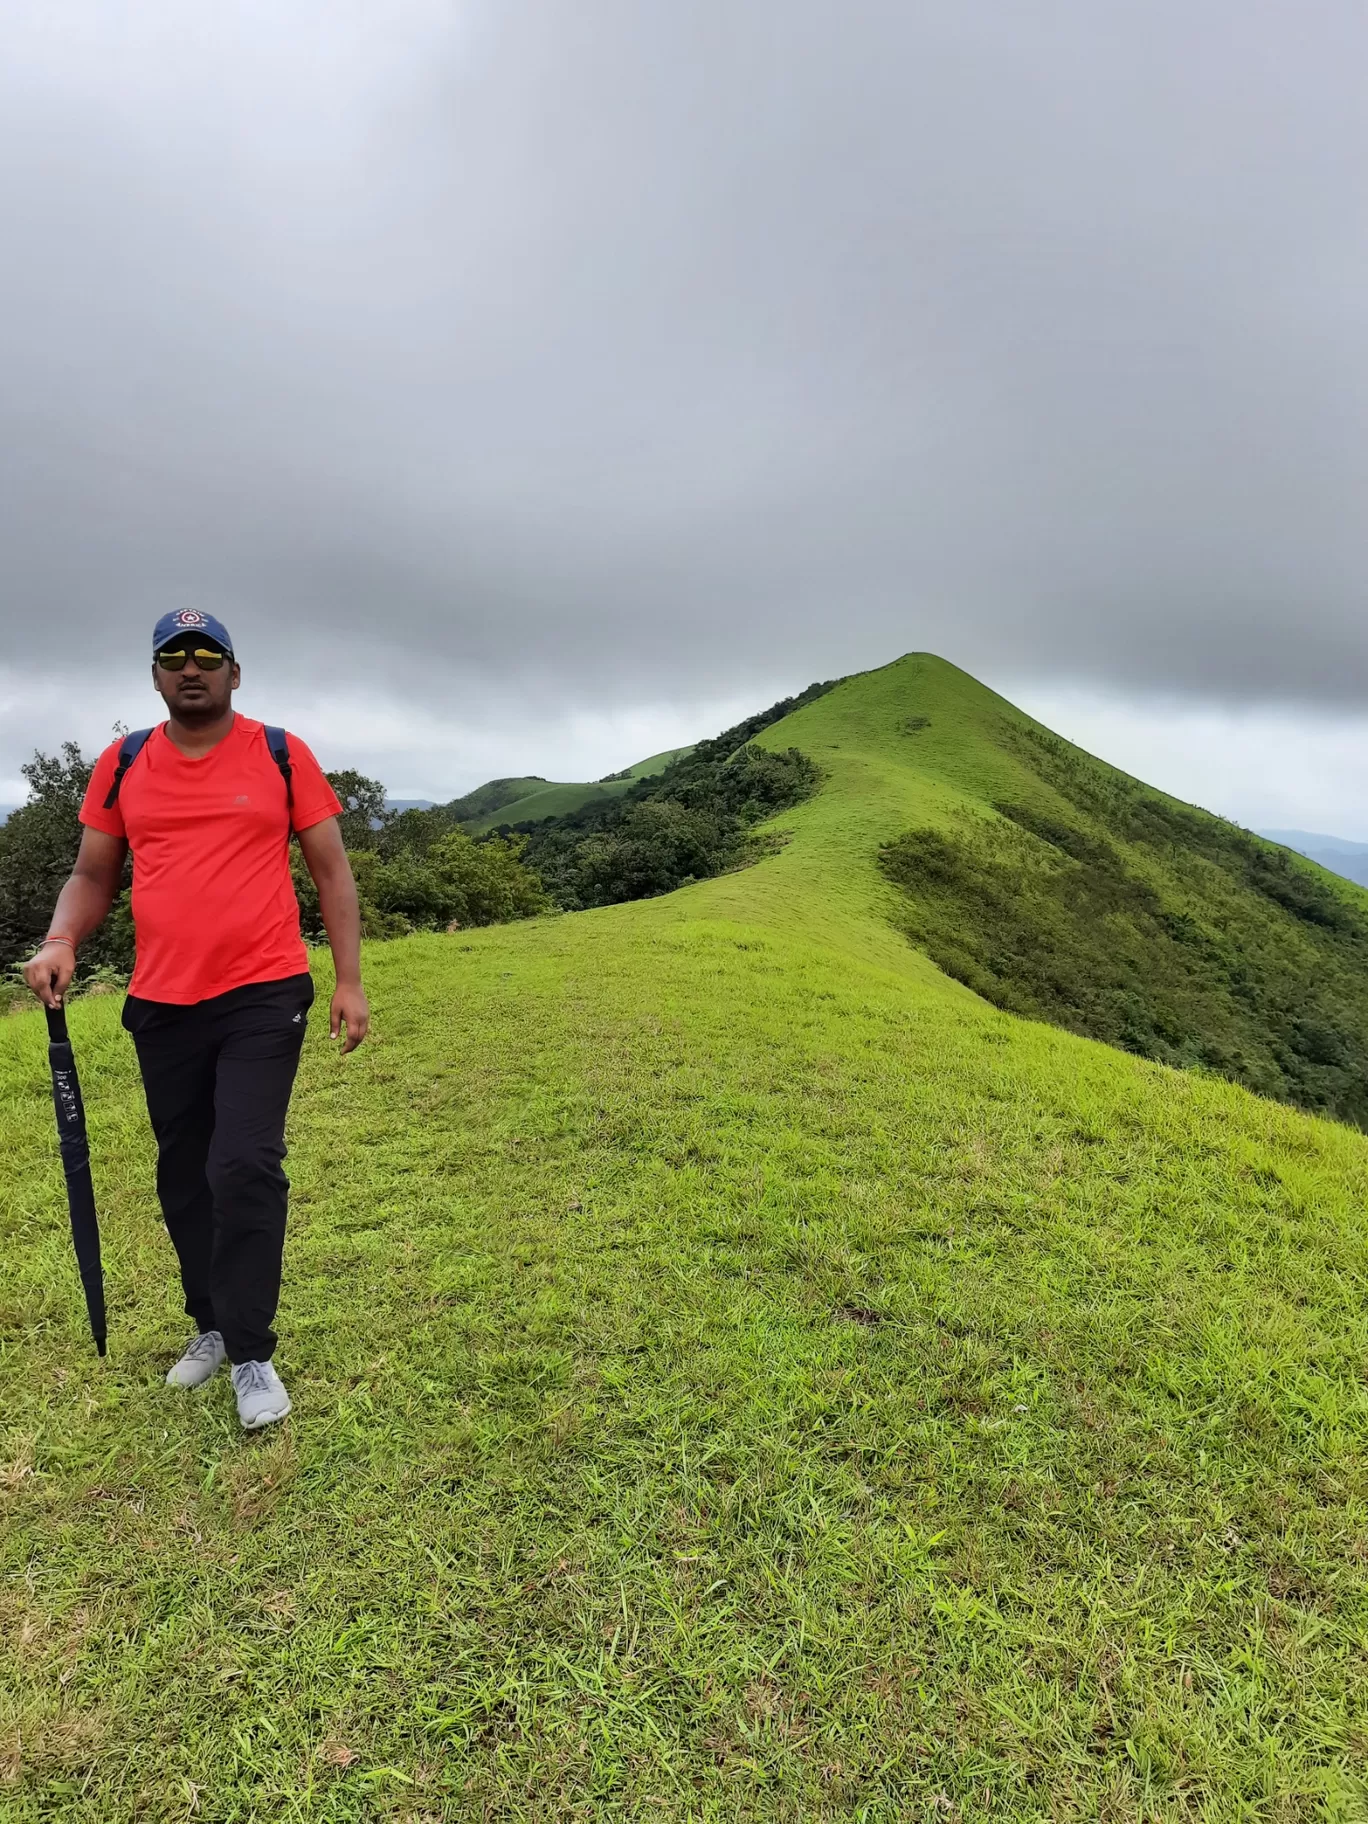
[218, 1077]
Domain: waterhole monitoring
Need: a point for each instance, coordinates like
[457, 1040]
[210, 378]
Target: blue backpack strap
[279, 743]
[129, 749]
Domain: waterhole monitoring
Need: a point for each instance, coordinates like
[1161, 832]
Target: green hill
[549, 800]
[1085, 897]
[491, 806]
[491, 797]
[740, 1373]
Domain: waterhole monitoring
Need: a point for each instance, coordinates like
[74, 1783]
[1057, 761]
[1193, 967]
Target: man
[221, 988]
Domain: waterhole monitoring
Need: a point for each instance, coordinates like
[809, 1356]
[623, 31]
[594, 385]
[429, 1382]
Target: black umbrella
[71, 1137]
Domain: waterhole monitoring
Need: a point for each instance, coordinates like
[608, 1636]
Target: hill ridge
[1061, 887]
[737, 1369]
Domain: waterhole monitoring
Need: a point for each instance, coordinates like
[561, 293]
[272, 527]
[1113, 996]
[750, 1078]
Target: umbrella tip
[100, 1345]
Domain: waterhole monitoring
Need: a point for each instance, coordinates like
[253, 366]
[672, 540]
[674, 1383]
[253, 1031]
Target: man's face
[197, 690]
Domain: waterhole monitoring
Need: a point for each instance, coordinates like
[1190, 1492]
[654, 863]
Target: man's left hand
[350, 1010]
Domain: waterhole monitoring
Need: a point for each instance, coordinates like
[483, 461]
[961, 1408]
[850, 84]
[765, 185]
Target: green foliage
[413, 829]
[38, 845]
[687, 824]
[1125, 916]
[363, 807]
[457, 883]
[691, 824]
[406, 892]
[651, 848]
[486, 881]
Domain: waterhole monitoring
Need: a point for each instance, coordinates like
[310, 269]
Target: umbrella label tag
[66, 1094]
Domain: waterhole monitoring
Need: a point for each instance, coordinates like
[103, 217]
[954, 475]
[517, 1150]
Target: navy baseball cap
[185, 623]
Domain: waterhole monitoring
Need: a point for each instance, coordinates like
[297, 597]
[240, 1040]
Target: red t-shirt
[213, 903]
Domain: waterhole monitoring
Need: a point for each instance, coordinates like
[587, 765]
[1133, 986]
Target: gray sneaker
[261, 1395]
[205, 1356]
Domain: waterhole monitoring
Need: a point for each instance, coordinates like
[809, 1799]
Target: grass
[739, 1374]
[491, 796]
[654, 764]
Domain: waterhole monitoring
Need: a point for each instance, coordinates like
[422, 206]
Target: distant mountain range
[1347, 859]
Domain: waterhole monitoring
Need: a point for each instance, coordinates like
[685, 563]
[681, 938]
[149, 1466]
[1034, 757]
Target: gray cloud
[623, 351]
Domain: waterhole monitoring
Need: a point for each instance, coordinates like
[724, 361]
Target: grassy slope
[604, 1491]
[552, 800]
[1120, 914]
[492, 796]
[655, 764]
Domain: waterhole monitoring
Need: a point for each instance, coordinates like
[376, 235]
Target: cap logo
[189, 617]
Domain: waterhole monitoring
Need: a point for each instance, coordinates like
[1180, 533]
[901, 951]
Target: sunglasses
[207, 658]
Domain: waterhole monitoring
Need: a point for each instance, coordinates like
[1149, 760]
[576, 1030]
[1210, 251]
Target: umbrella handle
[56, 1025]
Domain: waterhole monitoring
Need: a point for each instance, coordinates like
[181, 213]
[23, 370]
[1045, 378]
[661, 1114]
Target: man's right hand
[49, 973]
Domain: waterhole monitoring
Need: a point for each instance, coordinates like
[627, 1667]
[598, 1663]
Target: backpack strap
[279, 743]
[129, 749]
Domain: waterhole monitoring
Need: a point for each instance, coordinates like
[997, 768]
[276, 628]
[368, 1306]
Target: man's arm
[81, 904]
[326, 860]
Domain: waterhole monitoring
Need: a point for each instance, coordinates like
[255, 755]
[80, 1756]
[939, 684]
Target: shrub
[459, 881]
[486, 881]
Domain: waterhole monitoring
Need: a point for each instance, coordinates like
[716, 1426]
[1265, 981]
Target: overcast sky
[533, 385]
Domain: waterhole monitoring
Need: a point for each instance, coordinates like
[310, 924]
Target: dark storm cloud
[617, 346]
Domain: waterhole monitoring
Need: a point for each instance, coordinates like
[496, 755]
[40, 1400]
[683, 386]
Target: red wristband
[55, 937]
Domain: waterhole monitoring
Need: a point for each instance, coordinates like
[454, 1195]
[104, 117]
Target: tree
[486, 881]
[458, 882]
[363, 808]
[38, 845]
